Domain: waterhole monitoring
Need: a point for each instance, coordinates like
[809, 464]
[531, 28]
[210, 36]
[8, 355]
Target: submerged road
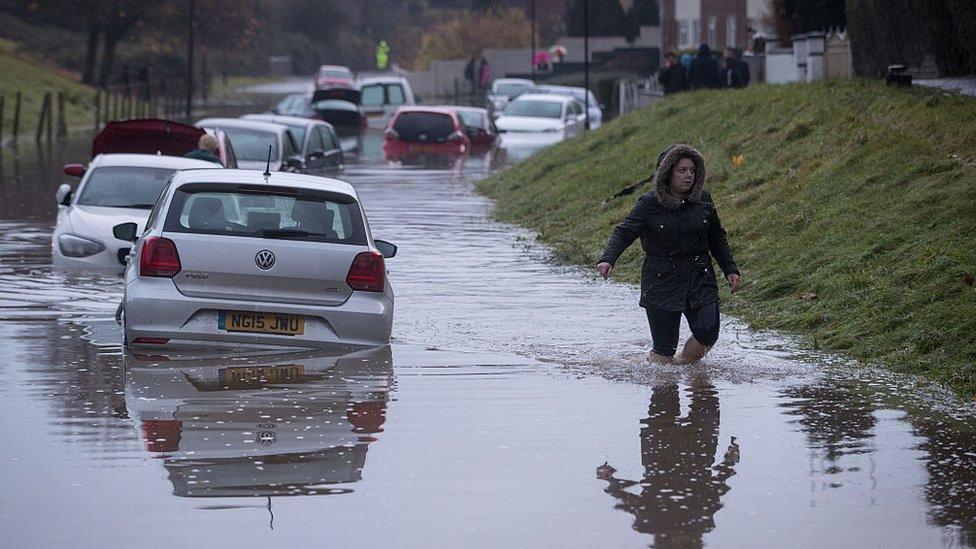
[515, 408]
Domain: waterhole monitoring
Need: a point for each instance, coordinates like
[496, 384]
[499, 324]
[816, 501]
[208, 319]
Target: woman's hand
[605, 269]
[733, 282]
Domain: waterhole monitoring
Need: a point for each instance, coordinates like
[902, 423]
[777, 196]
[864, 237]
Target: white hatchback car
[239, 257]
[114, 189]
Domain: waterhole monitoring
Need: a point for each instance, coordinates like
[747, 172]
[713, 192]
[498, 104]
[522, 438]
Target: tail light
[162, 435]
[391, 134]
[159, 258]
[456, 137]
[367, 273]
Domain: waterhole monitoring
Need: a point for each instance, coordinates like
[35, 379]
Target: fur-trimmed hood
[669, 159]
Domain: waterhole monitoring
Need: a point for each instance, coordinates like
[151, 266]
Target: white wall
[780, 66]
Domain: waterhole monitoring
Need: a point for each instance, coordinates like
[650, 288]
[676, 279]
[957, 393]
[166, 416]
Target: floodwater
[515, 408]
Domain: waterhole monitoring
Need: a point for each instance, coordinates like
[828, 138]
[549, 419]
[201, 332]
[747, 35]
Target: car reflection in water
[296, 423]
[681, 491]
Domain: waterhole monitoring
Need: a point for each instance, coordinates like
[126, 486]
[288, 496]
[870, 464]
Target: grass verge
[32, 80]
[851, 209]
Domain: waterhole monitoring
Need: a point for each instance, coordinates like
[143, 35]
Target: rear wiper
[290, 233]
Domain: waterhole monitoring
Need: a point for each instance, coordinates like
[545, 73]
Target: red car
[158, 136]
[425, 130]
[334, 76]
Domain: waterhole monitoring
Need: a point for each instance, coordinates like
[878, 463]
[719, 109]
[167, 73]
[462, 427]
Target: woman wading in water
[680, 232]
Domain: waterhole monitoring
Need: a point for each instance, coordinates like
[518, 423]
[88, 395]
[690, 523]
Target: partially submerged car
[382, 95]
[579, 94]
[425, 130]
[296, 104]
[557, 115]
[240, 258]
[504, 89]
[479, 127]
[334, 76]
[114, 189]
[340, 107]
[252, 138]
[318, 142]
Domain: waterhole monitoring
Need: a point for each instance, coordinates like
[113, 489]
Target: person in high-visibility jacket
[382, 55]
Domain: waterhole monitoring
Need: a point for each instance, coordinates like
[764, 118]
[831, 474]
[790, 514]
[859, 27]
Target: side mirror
[125, 231]
[387, 249]
[293, 164]
[63, 194]
[74, 170]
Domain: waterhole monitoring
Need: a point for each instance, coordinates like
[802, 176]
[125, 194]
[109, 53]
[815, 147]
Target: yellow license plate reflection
[261, 323]
[245, 377]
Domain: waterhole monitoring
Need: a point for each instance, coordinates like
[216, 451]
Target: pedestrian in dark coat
[680, 232]
[704, 71]
[672, 76]
[469, 74]
[735, 72]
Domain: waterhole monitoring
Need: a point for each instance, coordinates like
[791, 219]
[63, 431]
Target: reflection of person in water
[681, 489]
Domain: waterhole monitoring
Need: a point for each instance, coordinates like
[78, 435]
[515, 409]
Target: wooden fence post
[50, 115]
[1, 120]
[105, 110]
[98, 109]
[45, 114]
[62, 118]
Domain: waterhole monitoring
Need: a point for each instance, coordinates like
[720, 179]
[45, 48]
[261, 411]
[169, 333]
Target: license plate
[426, 147]
[244, 377]
[261, 323]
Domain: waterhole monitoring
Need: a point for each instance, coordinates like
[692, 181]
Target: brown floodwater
[515, 407]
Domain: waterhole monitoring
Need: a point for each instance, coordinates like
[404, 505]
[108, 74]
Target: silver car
[248, 259]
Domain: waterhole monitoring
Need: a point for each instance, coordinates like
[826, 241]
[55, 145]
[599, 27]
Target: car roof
[335, 67]
[259, 125]
[513, 81]
[439, 109]
[382, 79]
[290, 120]
[564, 89]
[545, 97]
[220, 176]
[150, 161]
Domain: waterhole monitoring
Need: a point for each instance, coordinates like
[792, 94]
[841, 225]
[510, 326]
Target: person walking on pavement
[484, 73]
[704, 71]
[382, 55]
[672, 76]
[680, 231]
[469, 74]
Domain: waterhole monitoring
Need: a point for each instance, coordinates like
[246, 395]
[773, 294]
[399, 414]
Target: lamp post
[586, 59]
[189, 60]
[532, 53]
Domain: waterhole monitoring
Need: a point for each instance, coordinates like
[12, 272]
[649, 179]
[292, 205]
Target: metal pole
[16, 119]
[532, 53]
[586, 59]
[189, 60]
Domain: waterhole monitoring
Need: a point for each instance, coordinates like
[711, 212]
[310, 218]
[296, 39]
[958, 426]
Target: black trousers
[703, 321]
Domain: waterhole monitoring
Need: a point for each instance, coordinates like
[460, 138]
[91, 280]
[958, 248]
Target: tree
[607, 18]
[464, 36]
[797, 16]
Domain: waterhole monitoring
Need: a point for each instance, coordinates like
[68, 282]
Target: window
[372, 95]
[695, 33]
[430, 127]
[315, 143]
[329, 141]
[251, 144]
[290, 149]
[394, 94]
[472, 119]
[539, 109]
[253, 211]
[124, 187]
[231, 156]
[730, 32]
[712, 31]
[683, 38]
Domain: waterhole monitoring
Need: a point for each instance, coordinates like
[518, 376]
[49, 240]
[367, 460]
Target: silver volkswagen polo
[245, 258]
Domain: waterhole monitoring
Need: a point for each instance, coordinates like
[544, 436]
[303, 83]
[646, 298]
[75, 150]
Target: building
[686, 24]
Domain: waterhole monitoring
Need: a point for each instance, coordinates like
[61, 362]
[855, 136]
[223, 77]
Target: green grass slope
[852, 213]
[33, 80]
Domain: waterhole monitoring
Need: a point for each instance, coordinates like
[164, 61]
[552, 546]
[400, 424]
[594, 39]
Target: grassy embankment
[852, 214]
[33, 80]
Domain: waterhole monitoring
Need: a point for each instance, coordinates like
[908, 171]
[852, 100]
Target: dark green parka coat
[680, 235]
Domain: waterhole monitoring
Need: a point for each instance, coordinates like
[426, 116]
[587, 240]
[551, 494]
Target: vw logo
[264, 260]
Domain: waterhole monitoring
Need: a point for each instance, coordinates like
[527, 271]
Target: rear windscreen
[253, 144]
[124, 186]
[424, 126]
[254, 211]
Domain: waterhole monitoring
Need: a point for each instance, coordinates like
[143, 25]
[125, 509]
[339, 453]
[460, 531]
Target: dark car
[436, 130]
[479, 127]
[340, 107]
[296, 104]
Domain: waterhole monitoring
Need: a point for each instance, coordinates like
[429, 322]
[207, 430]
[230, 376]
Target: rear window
[335, 73]
[252, 144]
[431, 127]
[260, 212]
[472, 119]
[509, 90]
[124, 187]
[540, 109]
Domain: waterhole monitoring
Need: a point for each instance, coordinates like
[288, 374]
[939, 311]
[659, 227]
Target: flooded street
[515, 408]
